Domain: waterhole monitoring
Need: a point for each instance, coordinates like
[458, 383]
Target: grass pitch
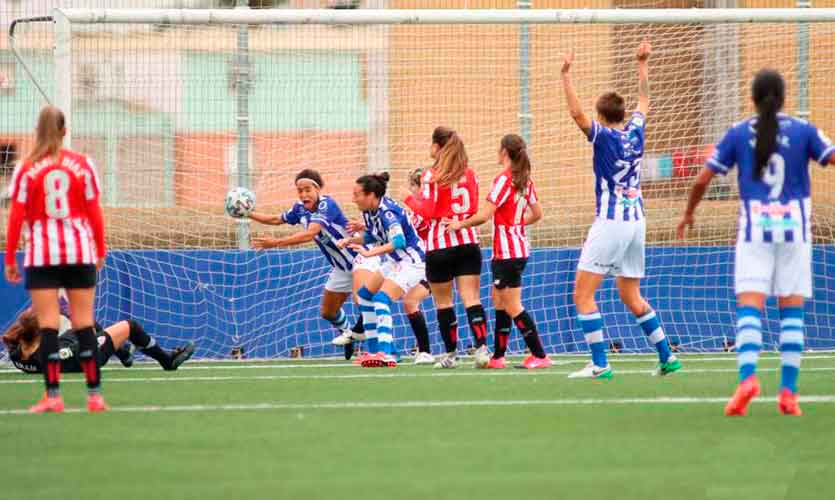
[329, 430]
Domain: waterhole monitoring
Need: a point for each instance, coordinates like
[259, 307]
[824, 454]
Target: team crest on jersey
[390, 216]
[323, 205]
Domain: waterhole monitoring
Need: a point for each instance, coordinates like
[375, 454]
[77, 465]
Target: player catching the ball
[615, 242]
[325, 224]
[511, 195]
[774, 242]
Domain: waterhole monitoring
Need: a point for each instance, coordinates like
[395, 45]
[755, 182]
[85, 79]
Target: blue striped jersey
[330, 217]
[777, 207]
[389, 220]
[617, 169]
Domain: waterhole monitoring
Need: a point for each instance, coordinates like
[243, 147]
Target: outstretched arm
[574, 107]
[644, 50]
[272, 220]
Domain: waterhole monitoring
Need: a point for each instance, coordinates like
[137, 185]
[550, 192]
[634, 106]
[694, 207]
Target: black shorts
[448, 263]
[507, 273]
[69, 277]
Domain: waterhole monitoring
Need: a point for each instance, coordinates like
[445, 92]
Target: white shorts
[371, 264]
[406, 275]
[777, 269]
[340, 281]
[615, 248]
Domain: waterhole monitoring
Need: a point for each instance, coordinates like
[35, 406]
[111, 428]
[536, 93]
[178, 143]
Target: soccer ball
[240, 202]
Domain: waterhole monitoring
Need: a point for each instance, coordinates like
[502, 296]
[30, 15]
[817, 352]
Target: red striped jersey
[435, 202]
[55, 205]
[509, 239]
[421, 226]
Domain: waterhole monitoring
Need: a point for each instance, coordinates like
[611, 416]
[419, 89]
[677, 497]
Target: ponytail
[520, 164]
[452, 159]
[768, 93]
[49, 135]
[374, 183]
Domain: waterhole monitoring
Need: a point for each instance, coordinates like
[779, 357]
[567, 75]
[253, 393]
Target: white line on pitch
[390, 375]
[428, 404]
[558, 360]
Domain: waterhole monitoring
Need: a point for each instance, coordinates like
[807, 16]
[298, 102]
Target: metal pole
[242, 83]
[803, 64]
[63, 70]
[525, 117]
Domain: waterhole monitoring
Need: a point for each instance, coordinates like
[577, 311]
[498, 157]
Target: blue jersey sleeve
[724, 156]
[292, 216]
[594, 131]
[391, 224]
[326, 213]
[636, 125]
[820, 146]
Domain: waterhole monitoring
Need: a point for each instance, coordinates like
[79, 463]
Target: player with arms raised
[616, 240]
[774, 242]
[54, 197]
[511, 195]
[449, 191]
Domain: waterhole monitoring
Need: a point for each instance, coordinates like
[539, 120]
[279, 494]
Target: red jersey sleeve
[500, 190]
[425, 203]
[92, 193]
[17, 196]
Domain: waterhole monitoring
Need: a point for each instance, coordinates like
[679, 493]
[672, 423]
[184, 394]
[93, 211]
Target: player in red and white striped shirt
[511, 195]
[449, 190]
[55, 204]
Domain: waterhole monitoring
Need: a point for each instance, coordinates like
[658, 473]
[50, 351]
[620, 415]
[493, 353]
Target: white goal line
[427, 404]
[383, 373]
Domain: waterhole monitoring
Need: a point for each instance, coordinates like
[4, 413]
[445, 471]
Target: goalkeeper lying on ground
[23, 341]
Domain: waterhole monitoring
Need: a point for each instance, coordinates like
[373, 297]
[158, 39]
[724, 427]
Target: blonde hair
[49, 136]
[451, 163]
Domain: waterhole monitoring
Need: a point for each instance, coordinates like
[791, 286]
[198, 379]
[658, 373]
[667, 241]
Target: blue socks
[382, 307]
[592, 325]
[651, 326]
[791, 346]
[749, 340]
[369, 319]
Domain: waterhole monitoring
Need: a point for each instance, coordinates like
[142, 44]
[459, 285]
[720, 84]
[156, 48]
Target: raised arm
[574, 107]
[644, 50]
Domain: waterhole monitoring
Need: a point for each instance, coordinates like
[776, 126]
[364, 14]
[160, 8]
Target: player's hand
[644, 50]
[263, 242]
[451, 225]
[686, 223]
[344, 242]
[360, 249]
[13, 274]
[567, 59]
[100, 264]
[355, 226]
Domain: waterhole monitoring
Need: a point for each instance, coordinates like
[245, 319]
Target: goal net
[177, 107]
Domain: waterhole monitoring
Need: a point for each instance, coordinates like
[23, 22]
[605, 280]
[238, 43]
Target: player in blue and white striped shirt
[616, 240]
[774, 242]
[389, 230]
[324, 224]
